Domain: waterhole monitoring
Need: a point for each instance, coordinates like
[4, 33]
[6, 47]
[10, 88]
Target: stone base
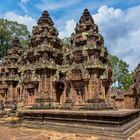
[118, 124]
[96, 106]
[67, 105]
[42, 103]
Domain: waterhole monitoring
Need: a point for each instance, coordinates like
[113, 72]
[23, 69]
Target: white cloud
[51, 5]
[22, 4]
[68, 30]
[121, 30]
[24, 1]
[27, 20]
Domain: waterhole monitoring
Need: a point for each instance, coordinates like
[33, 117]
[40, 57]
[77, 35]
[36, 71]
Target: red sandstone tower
[88, 74]
[10, 76]
[43, 58]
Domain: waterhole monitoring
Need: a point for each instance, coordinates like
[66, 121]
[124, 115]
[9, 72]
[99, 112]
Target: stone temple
[61, 87]
[78, 76]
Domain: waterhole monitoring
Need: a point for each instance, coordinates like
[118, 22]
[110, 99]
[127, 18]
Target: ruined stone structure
[47, 75]
[128, 100]
[116, 98]
[132, 98]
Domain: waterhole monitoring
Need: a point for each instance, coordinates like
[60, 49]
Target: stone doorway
[79, 88]
[80, 93]
[59, 87]
[30, 96]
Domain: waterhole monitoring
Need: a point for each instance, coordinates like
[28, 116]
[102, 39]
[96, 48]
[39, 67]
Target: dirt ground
[7, 133]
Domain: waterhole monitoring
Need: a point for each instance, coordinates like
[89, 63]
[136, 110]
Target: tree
[127, 81]
[122, 77]
[66, 41]
[66, 44]
[10, 30]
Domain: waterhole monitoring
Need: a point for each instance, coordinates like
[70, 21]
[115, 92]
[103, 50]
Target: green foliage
[66, 44]
[127, 81]
[10, 30]
[66, 41]
[122, 78]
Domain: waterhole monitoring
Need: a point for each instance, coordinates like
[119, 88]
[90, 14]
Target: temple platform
[109, 123]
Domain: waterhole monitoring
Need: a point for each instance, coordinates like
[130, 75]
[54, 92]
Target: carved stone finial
[15, 42]
[45, 14]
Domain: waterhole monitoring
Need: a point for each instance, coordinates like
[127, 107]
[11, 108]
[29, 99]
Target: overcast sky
[118, 20]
